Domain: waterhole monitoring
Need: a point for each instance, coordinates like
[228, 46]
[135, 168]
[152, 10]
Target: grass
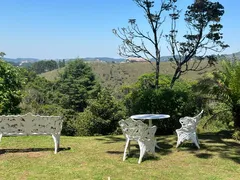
[100, 157]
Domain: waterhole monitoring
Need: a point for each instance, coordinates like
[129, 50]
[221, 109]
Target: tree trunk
[175, 76]
[157, 75]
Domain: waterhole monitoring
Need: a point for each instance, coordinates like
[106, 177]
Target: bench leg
[56, 139]
[1, 137]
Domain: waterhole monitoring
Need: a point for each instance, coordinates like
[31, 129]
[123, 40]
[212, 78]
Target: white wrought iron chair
[140, 132]
[188, 130]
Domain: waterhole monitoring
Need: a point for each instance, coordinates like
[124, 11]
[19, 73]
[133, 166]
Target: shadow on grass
[111, 139]
[212, 144]
[134, 154]
[165, 144]
[4, 151]
[220, 144]
[114, 152]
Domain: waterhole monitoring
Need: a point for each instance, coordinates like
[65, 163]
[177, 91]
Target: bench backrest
[30, 124]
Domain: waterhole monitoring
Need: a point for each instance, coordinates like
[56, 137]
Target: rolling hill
[115, 75]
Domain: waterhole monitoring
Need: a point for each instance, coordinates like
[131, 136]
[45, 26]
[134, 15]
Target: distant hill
[117, 60]
[19, 60]
[106, 59]
[115, 75]
[100, 59]
[237, 55]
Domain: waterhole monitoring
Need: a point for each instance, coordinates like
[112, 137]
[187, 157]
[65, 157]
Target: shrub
[100, 117]
[236, 135]
[10, 88]
[143, 98]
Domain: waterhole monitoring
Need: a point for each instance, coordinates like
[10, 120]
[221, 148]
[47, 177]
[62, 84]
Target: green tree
[76, 85]
[142, 98]
[204, 34]
[61, 63]
[101, 116]
[44, 66]
[10, 88]
[223, 87]
[37, 94]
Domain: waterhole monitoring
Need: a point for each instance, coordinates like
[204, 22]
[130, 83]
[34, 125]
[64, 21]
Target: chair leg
[142, 151]
[129, 146]
[125, 149]
[195, 141]
[1, 137]
[178, 143]
[178, 139]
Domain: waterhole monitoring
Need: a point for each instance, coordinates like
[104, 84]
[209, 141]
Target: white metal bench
[188, 130]
[29, 124]
[140, 132]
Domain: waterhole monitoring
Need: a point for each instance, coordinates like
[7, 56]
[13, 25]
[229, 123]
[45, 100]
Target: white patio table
[150, 117]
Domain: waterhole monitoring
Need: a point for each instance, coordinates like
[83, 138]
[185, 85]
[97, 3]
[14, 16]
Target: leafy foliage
[44, 66]
[224, 87]
[38, 97]
[10, 88]
[76, 85]
[180, 101]
[204, 34]
[65, 97]
[101, 116]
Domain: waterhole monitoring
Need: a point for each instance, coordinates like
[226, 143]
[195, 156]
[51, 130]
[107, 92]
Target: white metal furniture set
[136, 130]
[132, 128]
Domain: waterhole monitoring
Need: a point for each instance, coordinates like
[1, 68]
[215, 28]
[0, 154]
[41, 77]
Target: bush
[10, 88]
[236, 135]
[142, 98]
[100, 117]
[69, 120]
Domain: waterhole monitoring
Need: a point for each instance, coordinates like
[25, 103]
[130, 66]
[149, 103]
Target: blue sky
[51, 29]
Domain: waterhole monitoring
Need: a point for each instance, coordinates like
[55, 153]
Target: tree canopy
[77, 84]
[203, 34]
[10, 88]
[202, 19]
[223, 87]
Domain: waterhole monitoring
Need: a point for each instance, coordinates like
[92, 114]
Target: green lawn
[100, 157]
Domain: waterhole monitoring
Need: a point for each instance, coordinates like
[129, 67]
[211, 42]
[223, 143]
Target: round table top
[150, 116]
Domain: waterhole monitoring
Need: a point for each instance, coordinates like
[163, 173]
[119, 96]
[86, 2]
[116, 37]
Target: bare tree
[136, 43]
[202, 19]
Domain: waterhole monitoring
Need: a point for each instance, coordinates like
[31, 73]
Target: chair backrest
[190, 123]
[132, 129]
[148, 133]
[198, 117]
